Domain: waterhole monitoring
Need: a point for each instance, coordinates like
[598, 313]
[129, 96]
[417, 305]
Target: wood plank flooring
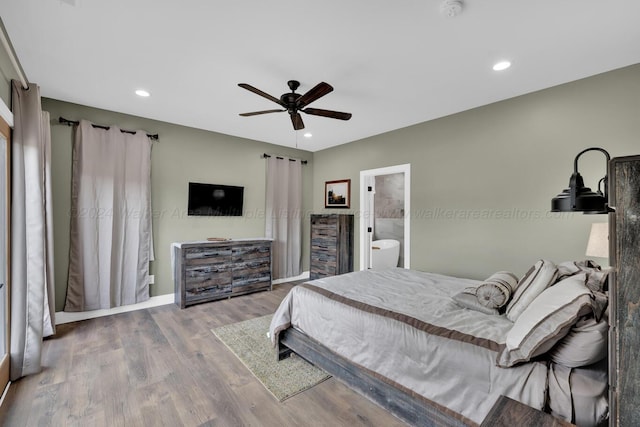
[164, 367]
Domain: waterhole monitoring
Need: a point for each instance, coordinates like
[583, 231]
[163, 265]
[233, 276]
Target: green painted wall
[6, 74]
[483, 180]
[183, 154]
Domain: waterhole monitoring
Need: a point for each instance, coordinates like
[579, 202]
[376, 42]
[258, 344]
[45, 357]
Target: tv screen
[215, 200]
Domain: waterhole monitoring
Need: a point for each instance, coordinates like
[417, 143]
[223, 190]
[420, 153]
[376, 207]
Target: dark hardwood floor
[164, 367]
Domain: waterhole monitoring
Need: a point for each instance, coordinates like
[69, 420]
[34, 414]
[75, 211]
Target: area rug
[249, 342]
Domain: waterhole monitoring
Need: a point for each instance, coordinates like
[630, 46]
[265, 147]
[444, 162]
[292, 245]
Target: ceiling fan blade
[259, 92]
[319, 90]
[255, 113]
[327, 113]
[296, 119]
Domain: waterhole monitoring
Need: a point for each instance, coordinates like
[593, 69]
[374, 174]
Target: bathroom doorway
[384, 203]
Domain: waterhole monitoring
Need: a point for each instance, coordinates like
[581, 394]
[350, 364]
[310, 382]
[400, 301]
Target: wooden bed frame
[406, 405]
[624, 323]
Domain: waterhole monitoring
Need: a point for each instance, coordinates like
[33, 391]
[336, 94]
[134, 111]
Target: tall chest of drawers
[208, 271]
[331, 245]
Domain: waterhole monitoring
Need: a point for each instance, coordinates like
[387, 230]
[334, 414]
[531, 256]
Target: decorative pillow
[585, 344]
[597, 278]
[468, 299]
[539, 277]
[546, 320]
[567, 268]
[596, 281]
[495, 292]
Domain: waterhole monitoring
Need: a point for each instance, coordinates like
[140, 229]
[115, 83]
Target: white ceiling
[392, 63]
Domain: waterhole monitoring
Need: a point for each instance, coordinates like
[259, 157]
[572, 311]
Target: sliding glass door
[5, 185]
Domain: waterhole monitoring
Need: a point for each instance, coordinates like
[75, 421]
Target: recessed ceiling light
[308, 135]
[502, 65]
[143, 93]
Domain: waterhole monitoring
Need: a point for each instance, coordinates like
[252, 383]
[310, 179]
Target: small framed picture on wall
[337, 194]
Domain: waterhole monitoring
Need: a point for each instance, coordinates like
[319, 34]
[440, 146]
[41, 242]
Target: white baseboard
[68, 317]
[304, 275]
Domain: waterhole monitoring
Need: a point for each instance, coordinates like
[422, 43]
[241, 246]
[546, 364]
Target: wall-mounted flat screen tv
[215, 200]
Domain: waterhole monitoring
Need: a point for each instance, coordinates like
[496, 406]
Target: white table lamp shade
[598, 245]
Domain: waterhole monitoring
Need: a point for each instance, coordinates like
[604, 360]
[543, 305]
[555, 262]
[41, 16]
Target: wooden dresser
[331, 245]
[211, 270]
[624, 291]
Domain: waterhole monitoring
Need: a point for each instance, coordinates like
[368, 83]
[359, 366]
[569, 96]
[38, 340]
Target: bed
[403, 338]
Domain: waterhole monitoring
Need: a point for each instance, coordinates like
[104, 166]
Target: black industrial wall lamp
[578, 198]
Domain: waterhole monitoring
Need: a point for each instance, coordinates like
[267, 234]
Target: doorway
[385, 216]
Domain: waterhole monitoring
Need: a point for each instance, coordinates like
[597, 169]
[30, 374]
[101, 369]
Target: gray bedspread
[403, 325]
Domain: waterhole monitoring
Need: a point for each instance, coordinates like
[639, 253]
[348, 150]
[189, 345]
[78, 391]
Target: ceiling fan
[294, 103]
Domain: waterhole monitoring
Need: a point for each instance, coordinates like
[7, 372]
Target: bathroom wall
[389, 210]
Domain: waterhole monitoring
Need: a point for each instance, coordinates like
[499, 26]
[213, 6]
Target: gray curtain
[111, 235]
[284, 215]
[32, 290]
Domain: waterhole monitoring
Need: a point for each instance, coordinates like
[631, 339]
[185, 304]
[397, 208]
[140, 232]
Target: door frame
[366, 214]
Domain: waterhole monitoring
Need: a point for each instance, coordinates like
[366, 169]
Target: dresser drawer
[207, 281]
[207, 293]
[322, 221]
[329, 232]
[207, 255]
[254, 266]
[252, 281]
[200, 273]
[324, 256]
[251, 251]
[324, 245]
[324, 268]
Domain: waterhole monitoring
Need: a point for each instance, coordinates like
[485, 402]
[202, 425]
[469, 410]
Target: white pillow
[585, 344]
[539, 277]
[546, 320]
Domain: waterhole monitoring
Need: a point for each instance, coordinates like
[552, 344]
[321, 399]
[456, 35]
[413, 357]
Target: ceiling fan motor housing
[288, 100]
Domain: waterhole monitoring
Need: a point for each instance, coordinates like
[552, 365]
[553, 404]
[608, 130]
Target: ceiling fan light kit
[451, 8]
[294, 103]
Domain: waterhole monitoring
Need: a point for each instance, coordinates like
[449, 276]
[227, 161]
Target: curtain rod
[76, 123]
[266, 156]
[6, 43]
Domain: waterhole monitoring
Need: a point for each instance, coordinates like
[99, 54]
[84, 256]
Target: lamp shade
[584, 200]
[598, 245]
[578, 198]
